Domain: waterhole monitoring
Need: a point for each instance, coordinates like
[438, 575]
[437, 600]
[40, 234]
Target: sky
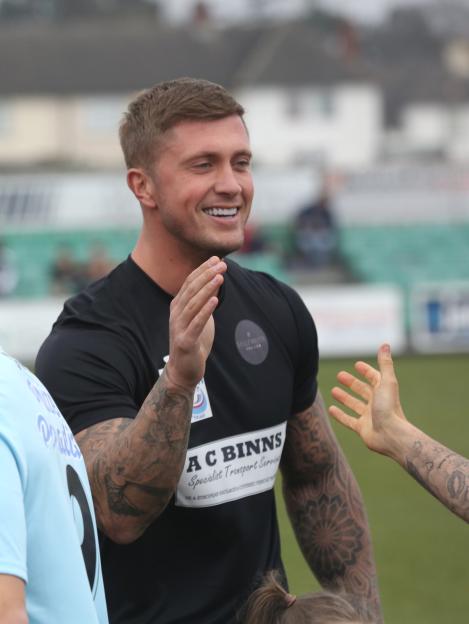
[363, 10]
[368, 10]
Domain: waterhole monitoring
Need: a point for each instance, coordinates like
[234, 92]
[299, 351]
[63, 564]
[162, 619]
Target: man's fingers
[183, 315]
[199, 278]
[371, 374]
[343, 418]
[208, 264]
[348, 400]
[200, 320]
[385, 362]
[359, 387]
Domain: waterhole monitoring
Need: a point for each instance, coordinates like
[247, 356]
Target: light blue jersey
[47, 525]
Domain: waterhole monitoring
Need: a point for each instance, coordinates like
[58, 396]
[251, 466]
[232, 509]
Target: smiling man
[185, 402]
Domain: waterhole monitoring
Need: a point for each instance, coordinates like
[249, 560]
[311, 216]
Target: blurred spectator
[99, 263]
[253, 239]
[70, 276]
[67, 275]
[315, 232]
[8, 274]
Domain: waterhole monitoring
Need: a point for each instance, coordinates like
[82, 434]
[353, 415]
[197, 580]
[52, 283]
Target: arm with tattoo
[134, 465]
[326, 509]
[381, 423]
[440, 471]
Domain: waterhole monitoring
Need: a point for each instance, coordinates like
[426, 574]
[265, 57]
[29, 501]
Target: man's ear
[142, 186]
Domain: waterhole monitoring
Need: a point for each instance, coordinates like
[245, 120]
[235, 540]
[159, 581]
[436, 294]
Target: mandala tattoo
[335, 537]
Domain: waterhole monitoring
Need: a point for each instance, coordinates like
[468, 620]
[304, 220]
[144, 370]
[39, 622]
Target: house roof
[449, 18]
[295, 54]
[404, 57]
[124, 55]
[113, 56]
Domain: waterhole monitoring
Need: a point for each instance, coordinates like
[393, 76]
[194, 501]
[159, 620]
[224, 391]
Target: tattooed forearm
[326, 509]
[332, 539]
[134, 465]
[119, 499]
[440, 471]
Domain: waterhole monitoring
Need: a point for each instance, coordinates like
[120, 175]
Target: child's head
[271, 604]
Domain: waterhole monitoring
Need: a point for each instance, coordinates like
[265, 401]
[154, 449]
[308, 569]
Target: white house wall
[349, 136]
[439, 128]
[338, 126]
[96, 126]
[30, 129]
[458, 148]
[359, 128]
[425, 126]
[72, 129]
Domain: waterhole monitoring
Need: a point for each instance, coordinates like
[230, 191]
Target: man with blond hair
[188, 380]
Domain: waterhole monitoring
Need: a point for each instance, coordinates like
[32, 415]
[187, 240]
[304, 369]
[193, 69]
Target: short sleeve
[307, 360]
[12, 514]
[89, 374]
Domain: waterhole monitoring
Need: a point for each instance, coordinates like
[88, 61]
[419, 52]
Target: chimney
[349, 45]
[201, 15]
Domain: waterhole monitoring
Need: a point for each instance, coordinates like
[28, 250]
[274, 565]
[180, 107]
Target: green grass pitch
[421, 549]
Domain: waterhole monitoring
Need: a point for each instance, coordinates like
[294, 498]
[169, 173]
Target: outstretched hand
[191, 325]
[376, 406]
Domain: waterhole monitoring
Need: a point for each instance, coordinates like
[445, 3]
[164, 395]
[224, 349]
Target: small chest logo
[201, 408]
[252, 342]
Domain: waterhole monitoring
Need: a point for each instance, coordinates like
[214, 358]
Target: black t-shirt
[199, 560]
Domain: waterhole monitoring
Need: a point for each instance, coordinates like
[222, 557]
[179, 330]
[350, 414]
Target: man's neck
[167, 265]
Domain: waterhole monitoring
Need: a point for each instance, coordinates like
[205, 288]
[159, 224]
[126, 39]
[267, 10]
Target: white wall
[428, 127]
[30, 128]
[425, 126]
[76, 129]
[340, 126]
[458, 148]
[96, 126]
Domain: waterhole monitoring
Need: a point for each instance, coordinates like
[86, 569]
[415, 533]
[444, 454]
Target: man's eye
[203, 165]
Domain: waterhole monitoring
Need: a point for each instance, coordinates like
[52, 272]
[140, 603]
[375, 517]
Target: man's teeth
[221, 212]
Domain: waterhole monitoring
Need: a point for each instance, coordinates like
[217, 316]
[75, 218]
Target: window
[103, 114]
[6, 118]
[310, 103]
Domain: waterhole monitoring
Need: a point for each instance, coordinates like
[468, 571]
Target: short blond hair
[156, 110]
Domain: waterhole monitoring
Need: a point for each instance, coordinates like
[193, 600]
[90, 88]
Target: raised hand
[191, 326]
[376, 406]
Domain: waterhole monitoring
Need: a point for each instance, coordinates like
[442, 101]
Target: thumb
[385, 362]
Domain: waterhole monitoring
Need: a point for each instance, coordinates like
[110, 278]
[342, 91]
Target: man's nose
[227, 182]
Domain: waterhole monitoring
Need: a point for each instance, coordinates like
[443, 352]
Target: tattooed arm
[382, 425]
[134, 465]
[326, 509]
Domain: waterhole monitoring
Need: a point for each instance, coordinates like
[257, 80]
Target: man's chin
[223, 253]
[223, 250]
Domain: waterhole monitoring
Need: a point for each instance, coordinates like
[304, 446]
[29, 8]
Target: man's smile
[215, 211]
